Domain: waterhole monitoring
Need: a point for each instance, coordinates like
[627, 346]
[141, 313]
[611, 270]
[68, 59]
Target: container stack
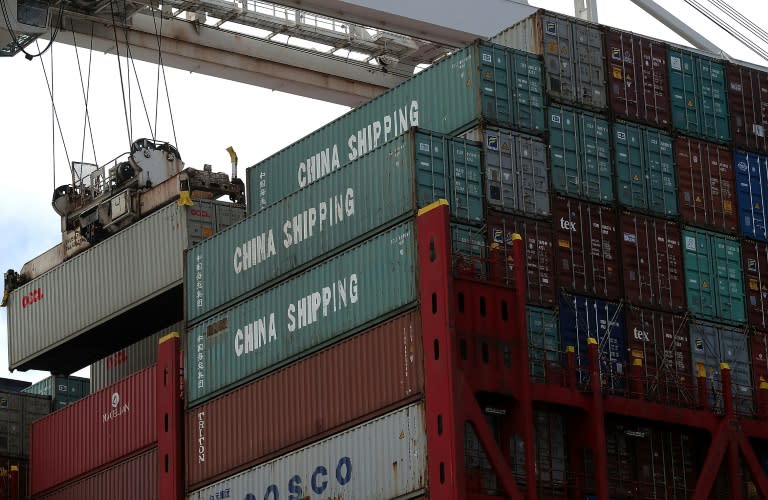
[62, 390]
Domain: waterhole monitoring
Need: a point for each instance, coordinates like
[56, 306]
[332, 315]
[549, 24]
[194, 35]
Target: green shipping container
[321, 306]
[713, 276]
[543, 343]
[645, 169]
[382, 187]
[482, 82]
[63, 390]
[698, 94]
[580, 154]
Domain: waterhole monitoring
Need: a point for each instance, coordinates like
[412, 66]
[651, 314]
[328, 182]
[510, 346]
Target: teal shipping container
[339, 210]
[63, 390]
[698, 93]
[645, 169]
[314, 309]
[580, 154]
[713, 276]
[483, 82]
[544, 352]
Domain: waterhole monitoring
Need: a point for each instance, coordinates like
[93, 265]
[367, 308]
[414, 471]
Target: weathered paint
[580, 154]
[698, 95]
[754, 255]
[748, 103]
[713, 276]
[482, 82]
[752, 193]
[302, 314]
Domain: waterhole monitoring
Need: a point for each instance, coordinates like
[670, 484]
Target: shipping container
[713, 344]
[544, 346]
[705, 179]
[758, 348]
[574, 59]
[13, 385]
[465, 169]
[748, 102]
[652, 260]
[754, 255]
[302, 314]
[469, 251]
[22, 478]
[17, 413]
[645, 169]
[586, 248]
[714, 281]
[660, 341]
[129, 479]
[109, 296]
[63, 390]
[638, 85]
[586, 317]
[383, 458]
[135, 357]
[698, 94]
[99, 429]
[580, 154]
[483, 82]
[302, 402]
[516, 171]
[752, 192]
[540, 267]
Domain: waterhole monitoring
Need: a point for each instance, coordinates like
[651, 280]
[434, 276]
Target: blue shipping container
[752, 193]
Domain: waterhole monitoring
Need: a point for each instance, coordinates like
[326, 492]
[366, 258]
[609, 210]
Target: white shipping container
[380, 459]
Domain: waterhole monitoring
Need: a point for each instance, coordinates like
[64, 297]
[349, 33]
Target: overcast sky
[209, 114]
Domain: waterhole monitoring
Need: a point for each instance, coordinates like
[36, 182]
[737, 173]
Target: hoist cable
[86, 90]
[15, 39]
[120, 70]
[55, 118]
[161, 65]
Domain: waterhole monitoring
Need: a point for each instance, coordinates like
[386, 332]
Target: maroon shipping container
[106, 426]
[706, 189]
[130, 479]
[537, 236]
[637, 78]
[759, 349]
[333, 389]
[660, 341]
[754, 254]
[586, 251]
[652, 259]
[748, 103]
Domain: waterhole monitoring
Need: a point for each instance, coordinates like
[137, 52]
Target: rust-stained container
[97, 430]
[638, 87]
[748, 101]
[652, 261]
[129, 479]
[586, 248]
[540, 266]
[754, 255]
[318, 395]
[706, 189]
[659, 340]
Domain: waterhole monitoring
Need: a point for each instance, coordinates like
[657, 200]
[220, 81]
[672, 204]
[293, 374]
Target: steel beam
[678, 26]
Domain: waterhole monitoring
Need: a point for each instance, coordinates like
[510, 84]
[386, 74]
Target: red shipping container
[759, 350]
[334, 389]
[115, 422]
[660, 340]
[130, 479]
[586, 248]
[537, 237]
[637, 78]
[706, 190]
[748, 103]
[754, 254]
[652, 260]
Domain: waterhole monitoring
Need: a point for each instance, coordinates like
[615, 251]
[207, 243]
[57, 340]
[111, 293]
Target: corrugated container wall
[302, 314]
[645, 169]
[698, 95]
[544, 347]
[748, 101]
[100, 429]
[585, 317]
[713, 276]
[752, 193]
[336, 387]
[758, 348]
[652, 260]
[13, 385]
[580, 154]
[17, 413]
[712, 344]
[586, 248]
[133, 358]
[754, 255]
[93, 286]
[22, 486]
[343, 465]
[638, 84]
[62, 389]
[573, 53]
[127, 480]
[705, 178]
[483, 82]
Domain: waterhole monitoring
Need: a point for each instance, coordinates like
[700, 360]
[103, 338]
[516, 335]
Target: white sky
[209, 114]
